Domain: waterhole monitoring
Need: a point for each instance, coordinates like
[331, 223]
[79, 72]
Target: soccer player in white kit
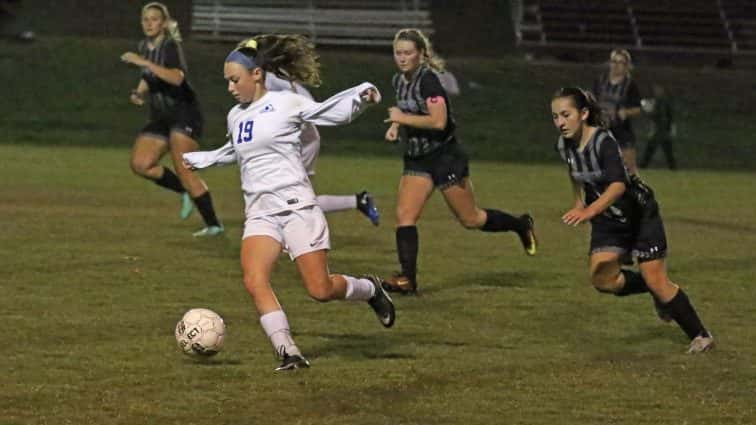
[280, 205]
[361, 201]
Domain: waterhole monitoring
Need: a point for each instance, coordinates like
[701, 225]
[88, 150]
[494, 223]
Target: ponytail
[289, 56]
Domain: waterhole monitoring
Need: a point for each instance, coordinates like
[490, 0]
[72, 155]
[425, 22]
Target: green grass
[98, 269]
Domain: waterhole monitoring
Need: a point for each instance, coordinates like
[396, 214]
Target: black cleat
[381, 302]
[366, 205]
[528, 237]
[293, 362]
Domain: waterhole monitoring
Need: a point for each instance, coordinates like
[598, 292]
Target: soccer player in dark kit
[623, 212]
[423, 121]
[175, 122]
[619, 98]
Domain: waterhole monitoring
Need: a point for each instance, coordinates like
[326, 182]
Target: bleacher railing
[335, 22]
[701, 26]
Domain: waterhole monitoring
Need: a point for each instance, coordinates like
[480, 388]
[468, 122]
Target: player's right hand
[392, 134]
[136, 98]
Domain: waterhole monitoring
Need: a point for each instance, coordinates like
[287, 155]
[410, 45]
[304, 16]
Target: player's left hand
[394, 115]
[576, 216]
[133, 58]
[622, 114]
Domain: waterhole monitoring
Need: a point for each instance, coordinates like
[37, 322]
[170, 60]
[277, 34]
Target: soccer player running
[620, 100]
[175, 122]
[280, 206]
[361, 201]
[623, 212]
[433, 159]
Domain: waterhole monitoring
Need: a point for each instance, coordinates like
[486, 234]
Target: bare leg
[414, 191]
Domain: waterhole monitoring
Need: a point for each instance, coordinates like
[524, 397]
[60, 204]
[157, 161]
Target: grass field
[98, 269]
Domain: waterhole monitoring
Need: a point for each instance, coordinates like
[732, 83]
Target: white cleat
[701, 344]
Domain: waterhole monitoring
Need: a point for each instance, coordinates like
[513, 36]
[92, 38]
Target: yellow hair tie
[251, 44]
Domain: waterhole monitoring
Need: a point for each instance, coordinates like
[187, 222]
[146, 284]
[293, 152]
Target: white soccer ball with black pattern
[200, 332]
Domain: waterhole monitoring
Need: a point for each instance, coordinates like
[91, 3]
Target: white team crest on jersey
[268, 108]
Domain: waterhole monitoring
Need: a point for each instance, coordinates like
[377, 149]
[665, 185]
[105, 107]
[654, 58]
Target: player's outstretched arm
[224, 155]
[341, 108]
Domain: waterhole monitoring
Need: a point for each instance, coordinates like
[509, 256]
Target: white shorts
[310, 139]
[299, 231]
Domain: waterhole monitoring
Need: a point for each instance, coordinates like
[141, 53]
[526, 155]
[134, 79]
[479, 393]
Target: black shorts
[446, 166]
[185, 118]
[642, 236]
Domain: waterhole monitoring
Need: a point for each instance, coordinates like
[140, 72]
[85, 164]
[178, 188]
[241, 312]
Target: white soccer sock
[358, 289]
[276, 326]
[333, 203]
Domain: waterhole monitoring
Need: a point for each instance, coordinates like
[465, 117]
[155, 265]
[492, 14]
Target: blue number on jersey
[246, 128]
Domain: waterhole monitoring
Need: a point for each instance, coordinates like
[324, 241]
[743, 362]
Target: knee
[321, 294]
[405, 216]
[468, 223]
[139, 166]
[473, 221]
[605, 283]
[253, 284]
[656, 283]
[321, 291]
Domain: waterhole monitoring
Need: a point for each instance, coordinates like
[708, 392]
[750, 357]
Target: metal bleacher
[333, 22]
[724, 27]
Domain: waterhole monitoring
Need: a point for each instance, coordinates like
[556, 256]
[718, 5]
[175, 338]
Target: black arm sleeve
[430, 86]
[174, 57]
[610, 161]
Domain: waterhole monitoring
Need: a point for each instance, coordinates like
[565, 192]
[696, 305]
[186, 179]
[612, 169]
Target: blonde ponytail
[289, 56]
[173, 30]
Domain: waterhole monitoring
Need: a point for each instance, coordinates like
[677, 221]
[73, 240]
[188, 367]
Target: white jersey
[310, 136]
[265, 142]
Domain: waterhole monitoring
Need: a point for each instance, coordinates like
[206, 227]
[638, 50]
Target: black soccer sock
[169, 180]
[407, 246]
[204, 205]
[634, 284]
[499, 221]
[685, 315]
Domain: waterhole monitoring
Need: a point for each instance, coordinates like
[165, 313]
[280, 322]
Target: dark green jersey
[165, 97]
[411, 98]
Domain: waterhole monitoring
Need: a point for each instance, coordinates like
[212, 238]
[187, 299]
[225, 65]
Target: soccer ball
[200, 332]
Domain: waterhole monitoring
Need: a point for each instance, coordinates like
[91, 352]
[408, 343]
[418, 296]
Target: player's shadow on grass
[222, 246]
[491, 279]
[212, 361]
[357, 346]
